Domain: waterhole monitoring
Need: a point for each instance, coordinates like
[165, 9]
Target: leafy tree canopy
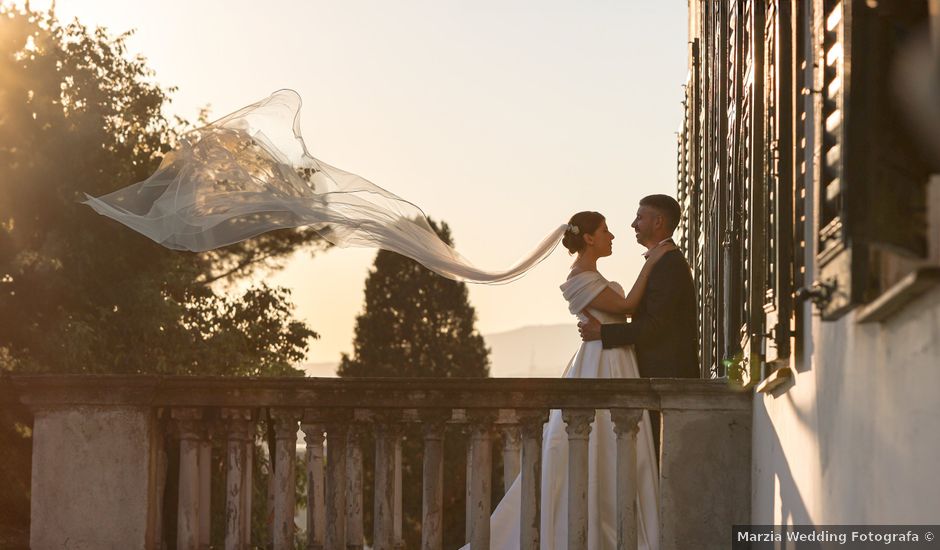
[82, 293]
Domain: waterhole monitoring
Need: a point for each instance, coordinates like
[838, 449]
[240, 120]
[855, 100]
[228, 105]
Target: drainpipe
[934, 8]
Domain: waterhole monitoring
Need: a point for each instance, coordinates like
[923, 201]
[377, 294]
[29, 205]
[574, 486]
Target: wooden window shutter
[870, 182]
[778, 175]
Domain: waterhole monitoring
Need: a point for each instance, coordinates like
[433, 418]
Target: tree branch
[238, 267]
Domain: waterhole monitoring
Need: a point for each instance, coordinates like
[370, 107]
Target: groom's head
[656, 219]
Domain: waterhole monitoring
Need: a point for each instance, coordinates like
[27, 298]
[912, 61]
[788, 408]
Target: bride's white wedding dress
[590, 361]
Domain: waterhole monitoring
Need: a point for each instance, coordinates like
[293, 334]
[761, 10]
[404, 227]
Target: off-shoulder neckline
[589, 271]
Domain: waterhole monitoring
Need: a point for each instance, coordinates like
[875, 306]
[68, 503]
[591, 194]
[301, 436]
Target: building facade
[812, 225]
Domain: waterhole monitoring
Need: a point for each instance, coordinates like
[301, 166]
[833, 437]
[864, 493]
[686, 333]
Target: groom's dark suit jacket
[662, 330]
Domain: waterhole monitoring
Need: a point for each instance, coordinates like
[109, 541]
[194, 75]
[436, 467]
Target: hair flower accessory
[574, 229]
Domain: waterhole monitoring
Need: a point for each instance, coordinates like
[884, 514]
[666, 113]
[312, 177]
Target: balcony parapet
[99, 444]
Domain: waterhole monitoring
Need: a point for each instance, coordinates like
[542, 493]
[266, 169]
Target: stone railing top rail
[40, 391]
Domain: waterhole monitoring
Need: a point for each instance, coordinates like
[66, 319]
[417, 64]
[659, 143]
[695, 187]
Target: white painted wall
[855, 437]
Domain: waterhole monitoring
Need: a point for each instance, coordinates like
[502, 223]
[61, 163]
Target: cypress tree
[417, 323]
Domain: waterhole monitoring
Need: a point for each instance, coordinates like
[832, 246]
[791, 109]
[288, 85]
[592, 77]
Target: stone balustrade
[100, 460]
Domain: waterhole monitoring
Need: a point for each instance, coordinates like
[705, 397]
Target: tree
[81, 293]
[417, 323]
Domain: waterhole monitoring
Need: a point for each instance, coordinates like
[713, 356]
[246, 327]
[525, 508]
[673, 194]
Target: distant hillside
[536, 352]
[320, 370]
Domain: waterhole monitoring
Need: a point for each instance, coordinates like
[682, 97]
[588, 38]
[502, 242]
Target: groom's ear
[659, 220]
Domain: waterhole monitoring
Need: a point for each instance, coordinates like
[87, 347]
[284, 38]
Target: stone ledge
[778, 377]
[41, 391]
[895, 298]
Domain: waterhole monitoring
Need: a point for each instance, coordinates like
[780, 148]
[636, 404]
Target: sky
[501, 118]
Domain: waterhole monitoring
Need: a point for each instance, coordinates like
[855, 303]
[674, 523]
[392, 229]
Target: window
[871, 191]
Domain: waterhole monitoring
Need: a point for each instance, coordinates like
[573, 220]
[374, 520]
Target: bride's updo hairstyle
[580, 225]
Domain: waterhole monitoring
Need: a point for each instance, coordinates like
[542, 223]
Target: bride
[589, 293]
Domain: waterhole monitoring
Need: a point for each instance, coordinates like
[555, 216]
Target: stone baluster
[316, 491]
[162, 465]
[337, 425]
[270, 440]
[387, 431]
[626, 425]
[238, 431]
[578, 426]
[285, 429]
[531, 425]
[354, 533]
[511, 445]
[398, 540]
[469, 474]
[247, 483]
[481, 474]
[205, 485]
[432, 533]
[189, 425]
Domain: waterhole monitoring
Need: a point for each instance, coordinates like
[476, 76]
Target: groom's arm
[661, 297]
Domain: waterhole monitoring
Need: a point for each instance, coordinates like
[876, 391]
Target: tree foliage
[81, 293]
[415, 323]
[418, 324]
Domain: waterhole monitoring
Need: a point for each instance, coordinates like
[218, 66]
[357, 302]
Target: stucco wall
[856, 437]
[92, 478]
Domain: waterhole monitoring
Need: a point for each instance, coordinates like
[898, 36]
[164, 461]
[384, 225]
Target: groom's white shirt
[662, 242]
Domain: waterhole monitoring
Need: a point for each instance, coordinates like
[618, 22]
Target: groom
[662, 330]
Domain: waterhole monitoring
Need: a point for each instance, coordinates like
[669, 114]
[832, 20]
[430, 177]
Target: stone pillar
[511, 458]
[480, 481]
[383, 515]
[187, 518]
[719, 443]
[578, 425]
[626, 425]
[432, 534]
[336, 484]
[354, 533]
[531, 425]
[237, 424]
[71, 446]
[316, 491]
[285, 428]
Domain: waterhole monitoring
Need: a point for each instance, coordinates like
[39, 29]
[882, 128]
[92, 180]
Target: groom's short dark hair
[667, 206]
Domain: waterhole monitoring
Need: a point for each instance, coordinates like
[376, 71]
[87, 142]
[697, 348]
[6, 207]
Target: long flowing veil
[250, 172]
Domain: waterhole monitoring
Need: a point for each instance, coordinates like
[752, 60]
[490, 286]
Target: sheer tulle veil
[250, 172]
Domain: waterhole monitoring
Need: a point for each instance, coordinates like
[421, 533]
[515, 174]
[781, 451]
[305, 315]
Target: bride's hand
[659, 251]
